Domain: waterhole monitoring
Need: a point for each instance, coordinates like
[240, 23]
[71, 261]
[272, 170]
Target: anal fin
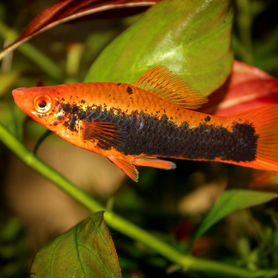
[155, 163]
[126, 167]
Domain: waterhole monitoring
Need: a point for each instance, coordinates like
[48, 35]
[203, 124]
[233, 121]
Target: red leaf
[67, 10]
[247, 88]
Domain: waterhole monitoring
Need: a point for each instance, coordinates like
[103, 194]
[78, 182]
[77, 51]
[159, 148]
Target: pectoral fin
[163, 83]
[106, 133]
[125, 166]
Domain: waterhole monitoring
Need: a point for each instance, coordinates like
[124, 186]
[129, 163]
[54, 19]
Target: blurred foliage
[154, 202]
[254, 38]
[14, 251]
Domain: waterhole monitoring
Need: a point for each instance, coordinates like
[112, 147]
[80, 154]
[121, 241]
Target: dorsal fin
[170, 87]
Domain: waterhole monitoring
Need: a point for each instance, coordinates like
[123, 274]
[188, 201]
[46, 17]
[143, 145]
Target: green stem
[32, 53]
[120, 224]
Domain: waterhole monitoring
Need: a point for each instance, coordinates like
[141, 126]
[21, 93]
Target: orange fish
[141, 124]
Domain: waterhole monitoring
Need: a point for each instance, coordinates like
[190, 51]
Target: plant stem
[32, 53]
[118, 223]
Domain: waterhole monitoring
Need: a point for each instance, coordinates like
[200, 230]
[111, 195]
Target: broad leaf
[231, 201]
[191, 38]
[87, 250]
[66, 10]
[247, 88]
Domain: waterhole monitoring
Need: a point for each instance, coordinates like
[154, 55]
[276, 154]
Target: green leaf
[87, 250]
[231, 201]
[191, 38]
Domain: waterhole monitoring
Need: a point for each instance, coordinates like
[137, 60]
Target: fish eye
[42, 104]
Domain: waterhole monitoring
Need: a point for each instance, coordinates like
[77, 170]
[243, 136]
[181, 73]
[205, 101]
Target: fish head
[36, 102]
[43, 104]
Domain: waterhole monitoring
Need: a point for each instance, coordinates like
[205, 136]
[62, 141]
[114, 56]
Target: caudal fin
[265, 122]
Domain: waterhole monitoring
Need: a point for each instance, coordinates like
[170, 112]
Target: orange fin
[265, 122]
[125, 166]
[170, 87]
[155, 163]
[106, 133]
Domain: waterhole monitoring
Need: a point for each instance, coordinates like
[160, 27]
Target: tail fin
[265, 122]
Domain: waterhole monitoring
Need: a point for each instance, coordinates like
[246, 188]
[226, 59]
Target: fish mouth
[18, 94]
[21, 99]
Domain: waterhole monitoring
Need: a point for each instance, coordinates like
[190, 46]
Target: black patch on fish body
[72, 124]
[75, 109]
[66, 107]
[207, 118]
[70, 116]
[129, 90]
[81, 114]
[145, 134]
